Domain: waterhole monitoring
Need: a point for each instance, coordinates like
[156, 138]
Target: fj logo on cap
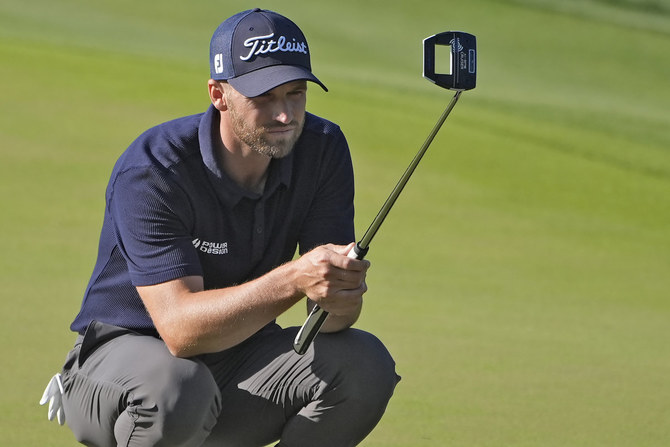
[218, 63]
[265, 44]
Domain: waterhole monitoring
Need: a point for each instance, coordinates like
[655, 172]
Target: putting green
[521, 281]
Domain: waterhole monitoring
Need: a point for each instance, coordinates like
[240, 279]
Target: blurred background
[521, 281]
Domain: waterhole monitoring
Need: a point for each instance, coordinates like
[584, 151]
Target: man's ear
[217, 95]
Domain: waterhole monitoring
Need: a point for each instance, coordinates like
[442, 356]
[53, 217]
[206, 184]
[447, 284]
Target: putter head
[463, 63]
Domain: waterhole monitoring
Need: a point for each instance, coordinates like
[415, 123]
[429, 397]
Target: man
[178, 344]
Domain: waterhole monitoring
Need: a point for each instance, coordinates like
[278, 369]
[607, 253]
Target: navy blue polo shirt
[172, 212]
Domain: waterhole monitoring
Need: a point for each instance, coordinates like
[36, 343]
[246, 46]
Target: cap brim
[265, 79]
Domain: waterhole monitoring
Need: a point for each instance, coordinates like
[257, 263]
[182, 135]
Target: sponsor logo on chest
[210, 248]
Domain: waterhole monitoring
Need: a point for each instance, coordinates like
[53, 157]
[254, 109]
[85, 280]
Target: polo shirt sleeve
[331, 215]
[151, 219]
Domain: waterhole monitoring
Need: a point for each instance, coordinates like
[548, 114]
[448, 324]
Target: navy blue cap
[258, 50]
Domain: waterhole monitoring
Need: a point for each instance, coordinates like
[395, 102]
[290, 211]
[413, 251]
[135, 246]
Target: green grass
[521, 281]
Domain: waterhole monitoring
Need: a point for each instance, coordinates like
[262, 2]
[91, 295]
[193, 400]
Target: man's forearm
[194, 321]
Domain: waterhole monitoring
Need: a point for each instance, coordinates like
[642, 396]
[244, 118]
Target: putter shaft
[318, 316]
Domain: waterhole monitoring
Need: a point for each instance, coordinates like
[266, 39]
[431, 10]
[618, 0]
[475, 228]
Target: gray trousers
[126, 389]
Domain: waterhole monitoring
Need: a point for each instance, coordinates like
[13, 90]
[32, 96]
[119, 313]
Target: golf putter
[463, 76]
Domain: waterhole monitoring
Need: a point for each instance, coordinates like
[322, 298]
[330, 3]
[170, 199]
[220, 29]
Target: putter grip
[317, 316]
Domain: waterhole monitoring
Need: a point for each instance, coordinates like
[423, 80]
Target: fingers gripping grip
[318, 316]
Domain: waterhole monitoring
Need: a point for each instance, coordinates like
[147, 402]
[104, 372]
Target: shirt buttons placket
[259, 228]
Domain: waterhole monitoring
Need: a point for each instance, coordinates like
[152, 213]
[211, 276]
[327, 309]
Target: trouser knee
[366, 369]
[183, 410]
[131, 391]
[356, 379]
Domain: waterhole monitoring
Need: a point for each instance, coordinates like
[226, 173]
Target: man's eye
[261, 98]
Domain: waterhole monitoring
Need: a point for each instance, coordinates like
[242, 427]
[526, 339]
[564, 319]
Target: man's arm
[194, 321]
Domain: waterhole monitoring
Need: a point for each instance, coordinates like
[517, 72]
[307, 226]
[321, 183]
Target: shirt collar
[280, 170]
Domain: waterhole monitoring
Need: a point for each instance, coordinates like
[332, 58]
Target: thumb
[345, 249]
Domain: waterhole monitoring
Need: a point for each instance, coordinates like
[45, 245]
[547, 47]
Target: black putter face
[463, 64]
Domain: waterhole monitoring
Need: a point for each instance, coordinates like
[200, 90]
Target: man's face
[269, 124]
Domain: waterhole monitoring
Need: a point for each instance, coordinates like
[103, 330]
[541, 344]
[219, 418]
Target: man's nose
[282, 112]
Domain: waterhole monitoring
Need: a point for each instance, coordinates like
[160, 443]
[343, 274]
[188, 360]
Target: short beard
[255, 137]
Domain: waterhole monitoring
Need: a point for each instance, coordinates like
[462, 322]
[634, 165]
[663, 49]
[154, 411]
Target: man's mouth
[280, 129]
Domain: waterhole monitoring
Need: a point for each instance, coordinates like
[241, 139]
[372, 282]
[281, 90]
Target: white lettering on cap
[259, 45]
